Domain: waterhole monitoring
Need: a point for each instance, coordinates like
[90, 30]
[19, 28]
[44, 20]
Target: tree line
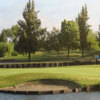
[28, 36]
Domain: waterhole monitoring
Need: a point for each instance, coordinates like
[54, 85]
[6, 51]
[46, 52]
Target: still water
[69, 96]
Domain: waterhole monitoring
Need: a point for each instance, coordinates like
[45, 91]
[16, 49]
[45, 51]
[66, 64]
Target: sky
[52, 12]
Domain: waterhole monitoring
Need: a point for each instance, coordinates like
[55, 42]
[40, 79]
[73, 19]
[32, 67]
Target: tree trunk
[82, 53]
[68, 53]
[58, 53]
[29, 56]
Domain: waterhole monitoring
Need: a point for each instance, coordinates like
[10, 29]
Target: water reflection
[70, 96]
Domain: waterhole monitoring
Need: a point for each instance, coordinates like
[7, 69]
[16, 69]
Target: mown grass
[82, 75]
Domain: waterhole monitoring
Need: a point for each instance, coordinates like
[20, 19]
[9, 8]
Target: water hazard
[69, 96]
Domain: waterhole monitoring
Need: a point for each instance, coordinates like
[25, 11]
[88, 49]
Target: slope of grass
[82, 75]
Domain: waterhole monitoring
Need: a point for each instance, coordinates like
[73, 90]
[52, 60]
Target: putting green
[82, 75]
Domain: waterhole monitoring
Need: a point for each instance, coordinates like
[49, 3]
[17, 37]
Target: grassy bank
[82, 75]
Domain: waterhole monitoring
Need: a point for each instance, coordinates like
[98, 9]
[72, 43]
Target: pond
[69, 96]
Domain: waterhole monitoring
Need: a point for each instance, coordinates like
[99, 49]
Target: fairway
[82, 75]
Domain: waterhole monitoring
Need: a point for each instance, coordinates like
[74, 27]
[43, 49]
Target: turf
[82, 75]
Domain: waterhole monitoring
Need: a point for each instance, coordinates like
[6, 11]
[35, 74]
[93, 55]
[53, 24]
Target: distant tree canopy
[54, 40]
[83, 28]
[42, 37]
[98, 36]
[51, 41]
[28, 30]
[92, 43]
[69, 35]
[3, 36]
[10, 34]
[13, 33]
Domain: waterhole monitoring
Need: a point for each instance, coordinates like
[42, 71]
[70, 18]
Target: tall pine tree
[29, 28]
[83, 28]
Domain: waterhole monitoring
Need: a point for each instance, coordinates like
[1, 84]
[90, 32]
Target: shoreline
[41, 89]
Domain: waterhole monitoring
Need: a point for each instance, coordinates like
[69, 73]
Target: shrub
[14, 53]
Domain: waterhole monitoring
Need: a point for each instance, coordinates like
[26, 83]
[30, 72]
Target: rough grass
[82, 75]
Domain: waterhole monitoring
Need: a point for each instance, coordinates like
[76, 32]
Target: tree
[13, 33]
[69, 35]
[98, 36]
[10, 49]
[47, 43]
[3, 49]
[92, 43]
[83, 28]
[51, 42]
[3, 36]
[42, 38]
[55, 45]
[28, 29]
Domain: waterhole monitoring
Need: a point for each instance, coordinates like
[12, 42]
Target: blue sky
[52, 12]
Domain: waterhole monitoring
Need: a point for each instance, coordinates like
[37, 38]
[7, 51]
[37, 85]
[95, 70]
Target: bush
[14, 53]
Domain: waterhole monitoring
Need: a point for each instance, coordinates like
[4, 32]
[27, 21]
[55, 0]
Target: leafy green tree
[69, 35]
[83, 28]
[3, 49]
[47, 42]
[10, 49]
[92, 42]
[13, 33]
[51, 42]
[55, 45]
[42, 37]
[3, 36]
[28, 29]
